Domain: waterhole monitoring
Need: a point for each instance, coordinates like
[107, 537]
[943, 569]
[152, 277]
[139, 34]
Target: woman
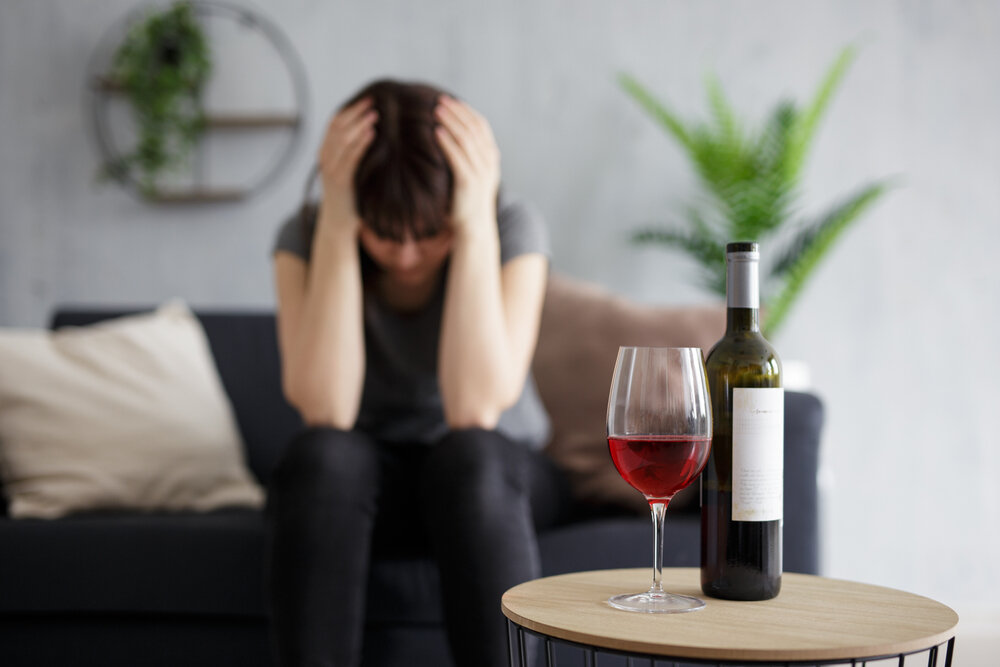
[408, 311]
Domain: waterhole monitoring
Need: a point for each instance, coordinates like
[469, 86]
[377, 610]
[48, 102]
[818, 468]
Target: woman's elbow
[321, 414]
[471, 417]
[315, 409]
[483, 412]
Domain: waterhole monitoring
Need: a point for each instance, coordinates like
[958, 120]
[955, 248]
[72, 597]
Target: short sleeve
[522, 229]
[296, 234]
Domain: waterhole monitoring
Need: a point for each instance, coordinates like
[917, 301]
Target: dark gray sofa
[127, 589]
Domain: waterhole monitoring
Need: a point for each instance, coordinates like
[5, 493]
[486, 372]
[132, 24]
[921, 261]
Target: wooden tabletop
[814, 618]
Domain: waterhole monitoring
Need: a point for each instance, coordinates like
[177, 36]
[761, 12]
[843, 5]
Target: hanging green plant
[162, 67]
[751, 182]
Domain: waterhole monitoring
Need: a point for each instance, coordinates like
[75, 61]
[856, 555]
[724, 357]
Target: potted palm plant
[751, 181]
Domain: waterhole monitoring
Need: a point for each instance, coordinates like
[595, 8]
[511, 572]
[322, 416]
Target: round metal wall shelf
[108, 107]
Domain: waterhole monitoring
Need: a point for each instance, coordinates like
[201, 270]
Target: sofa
[128, 588]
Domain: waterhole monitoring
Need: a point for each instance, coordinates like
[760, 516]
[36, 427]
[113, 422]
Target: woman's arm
[320, 318]
[491, 314]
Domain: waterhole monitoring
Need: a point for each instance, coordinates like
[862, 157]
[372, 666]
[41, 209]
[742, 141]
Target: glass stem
[659, 510]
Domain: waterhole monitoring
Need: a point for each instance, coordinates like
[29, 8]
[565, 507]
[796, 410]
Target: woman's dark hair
[403, 182]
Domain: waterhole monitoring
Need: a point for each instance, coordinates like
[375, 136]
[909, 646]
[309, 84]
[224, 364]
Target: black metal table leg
[520, 643]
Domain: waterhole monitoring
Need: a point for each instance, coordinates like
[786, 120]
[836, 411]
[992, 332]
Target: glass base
[652, 602]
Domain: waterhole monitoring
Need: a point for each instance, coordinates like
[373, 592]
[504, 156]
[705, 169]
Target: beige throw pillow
[127, 413]
[582, 327]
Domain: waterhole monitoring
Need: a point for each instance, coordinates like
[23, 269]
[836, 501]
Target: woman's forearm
[477, 375]
[320, 314]
[490, 321]
[326, 364]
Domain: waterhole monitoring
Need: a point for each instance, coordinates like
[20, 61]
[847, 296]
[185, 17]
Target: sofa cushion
[185, 563]
[214, 564]
[210, 563]
[582, 327]
[129, 413]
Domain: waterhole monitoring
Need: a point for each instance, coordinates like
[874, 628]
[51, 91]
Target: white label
[758, 454]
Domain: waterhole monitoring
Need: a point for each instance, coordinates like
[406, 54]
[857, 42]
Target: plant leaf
[708, 250]
[808, 122]
[806, 251]
[729, 133]
[746, 175]
[656, 109]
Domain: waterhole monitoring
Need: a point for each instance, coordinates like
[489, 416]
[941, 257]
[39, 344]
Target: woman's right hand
[347, 137]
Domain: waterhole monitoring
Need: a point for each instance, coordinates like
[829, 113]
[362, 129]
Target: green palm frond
[774, 141]
[805, 128]
[720, 163]
[656, 109]
[710, 252]
[807, 249]
[727, 126]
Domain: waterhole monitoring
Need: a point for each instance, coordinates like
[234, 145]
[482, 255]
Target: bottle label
[758, 454]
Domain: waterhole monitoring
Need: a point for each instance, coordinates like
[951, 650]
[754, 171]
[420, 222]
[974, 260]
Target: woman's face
[410, 261]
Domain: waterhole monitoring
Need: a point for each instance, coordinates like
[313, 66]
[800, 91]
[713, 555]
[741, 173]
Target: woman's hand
[467, 141]
[347, 137]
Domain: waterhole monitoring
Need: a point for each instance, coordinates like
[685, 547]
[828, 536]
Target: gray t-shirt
[401, 401]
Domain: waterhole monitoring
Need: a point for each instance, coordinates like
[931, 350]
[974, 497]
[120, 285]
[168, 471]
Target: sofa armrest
[803, 426]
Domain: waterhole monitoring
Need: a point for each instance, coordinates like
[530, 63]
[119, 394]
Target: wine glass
[659, 436]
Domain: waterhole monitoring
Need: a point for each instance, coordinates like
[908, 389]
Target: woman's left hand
[467, 141]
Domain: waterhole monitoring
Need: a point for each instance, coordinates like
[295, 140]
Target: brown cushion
[582, 327]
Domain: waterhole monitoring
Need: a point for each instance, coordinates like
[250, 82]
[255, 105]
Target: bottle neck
[742, 319]
[742, 292]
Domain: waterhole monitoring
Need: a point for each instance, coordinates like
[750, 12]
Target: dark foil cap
[742, 246]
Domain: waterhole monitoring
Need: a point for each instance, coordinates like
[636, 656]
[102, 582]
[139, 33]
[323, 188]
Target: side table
[815, 620]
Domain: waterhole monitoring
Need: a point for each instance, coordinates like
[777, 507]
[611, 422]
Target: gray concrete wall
[898, 326]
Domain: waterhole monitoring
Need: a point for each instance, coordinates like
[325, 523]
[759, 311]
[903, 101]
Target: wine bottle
[742, 486]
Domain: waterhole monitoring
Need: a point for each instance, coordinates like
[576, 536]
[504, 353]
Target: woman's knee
[474, 467]
[327, 458]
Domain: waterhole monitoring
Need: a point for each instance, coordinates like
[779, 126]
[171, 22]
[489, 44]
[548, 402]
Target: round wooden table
[814, 620]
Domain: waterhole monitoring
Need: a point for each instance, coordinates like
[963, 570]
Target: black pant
[475, 499]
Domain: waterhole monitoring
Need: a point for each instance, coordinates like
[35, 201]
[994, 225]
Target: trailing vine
[162, 66]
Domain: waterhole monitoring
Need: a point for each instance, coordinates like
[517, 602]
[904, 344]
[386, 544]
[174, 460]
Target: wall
[897, 326]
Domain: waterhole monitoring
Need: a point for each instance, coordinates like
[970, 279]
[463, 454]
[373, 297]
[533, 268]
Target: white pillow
[127, 413]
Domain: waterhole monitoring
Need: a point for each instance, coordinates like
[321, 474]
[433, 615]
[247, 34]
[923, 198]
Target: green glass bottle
[742, 485]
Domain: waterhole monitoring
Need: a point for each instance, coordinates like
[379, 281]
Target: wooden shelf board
[197, 196]
[250, 121]
[221, 120]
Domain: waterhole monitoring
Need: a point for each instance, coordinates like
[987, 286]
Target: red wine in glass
[658, 466]
[659, 435]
